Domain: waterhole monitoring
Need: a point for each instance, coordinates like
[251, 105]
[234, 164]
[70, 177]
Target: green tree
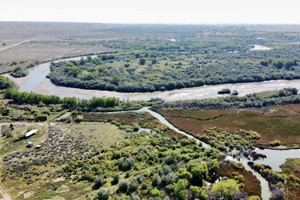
[99, 182]
[142, 61]
[178, 190]
[102, 194]
[225, 189]
[115, 80]
[198, 192]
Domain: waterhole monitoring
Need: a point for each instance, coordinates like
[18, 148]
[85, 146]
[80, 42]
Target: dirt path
[4, 194]
[19, 43]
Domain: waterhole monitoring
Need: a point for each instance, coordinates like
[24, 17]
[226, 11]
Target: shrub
[224, 91]
[133, 185]
[123, 187]
[78, 119]
[156, 181]
[99, 182]
[275, 143]
[102, 194]
[19, 72]
[125, 164]
[235, 93]
[115, 179]
[41, 118]
[155, 193]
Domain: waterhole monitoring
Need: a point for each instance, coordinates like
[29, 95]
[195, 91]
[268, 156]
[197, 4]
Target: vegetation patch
[250, 182]
[291, 168]
[19, 72]
[279, 123]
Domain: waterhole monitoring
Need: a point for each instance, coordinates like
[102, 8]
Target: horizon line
[146, 23]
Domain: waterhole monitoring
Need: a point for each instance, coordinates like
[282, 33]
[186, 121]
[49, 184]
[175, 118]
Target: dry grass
[50, 41]
[95, 133]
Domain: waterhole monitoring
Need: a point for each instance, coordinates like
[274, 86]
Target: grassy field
[280, 123]
[292, 169]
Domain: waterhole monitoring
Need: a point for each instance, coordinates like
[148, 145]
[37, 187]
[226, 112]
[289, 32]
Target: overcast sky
[153, 11]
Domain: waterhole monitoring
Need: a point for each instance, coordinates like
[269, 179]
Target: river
[37, 82]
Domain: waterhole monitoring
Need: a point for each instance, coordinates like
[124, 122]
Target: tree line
[67, 102]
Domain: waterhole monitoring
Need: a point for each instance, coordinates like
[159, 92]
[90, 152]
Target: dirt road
[19, 43]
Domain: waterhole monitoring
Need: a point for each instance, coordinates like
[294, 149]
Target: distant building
[29, 134]
[38, 146]
[29, 144]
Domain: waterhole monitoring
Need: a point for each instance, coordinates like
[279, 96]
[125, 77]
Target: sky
[154, 11]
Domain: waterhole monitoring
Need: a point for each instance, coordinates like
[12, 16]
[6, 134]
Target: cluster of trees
[19, 72]
[280, 97]
[152, 70]
[5, 83]
[281, 63]
[180, 169]
[67, 102]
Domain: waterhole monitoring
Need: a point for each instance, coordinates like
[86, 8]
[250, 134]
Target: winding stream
[265, 190]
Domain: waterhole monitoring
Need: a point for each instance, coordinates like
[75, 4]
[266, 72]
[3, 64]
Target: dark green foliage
[133, 185]
[235, 93]
[19, 72]
[156, 181]
[115, 179]
[41, 118]
[125, 164]
[142, 61]
[102, 194]
[5, 83]
[67, 102]
[99, 182]
[123, 187]
[224, 91]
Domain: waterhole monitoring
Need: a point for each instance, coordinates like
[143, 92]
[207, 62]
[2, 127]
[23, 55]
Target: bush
[19, 72]
[115, 179]
[224, 91]
[133, 185]
[235, 93]
[41, 118]
[102, 194]
[125, 164]
[78, 119]
[275, 143]
[99, 182]
[123, 187]
[156, 181]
